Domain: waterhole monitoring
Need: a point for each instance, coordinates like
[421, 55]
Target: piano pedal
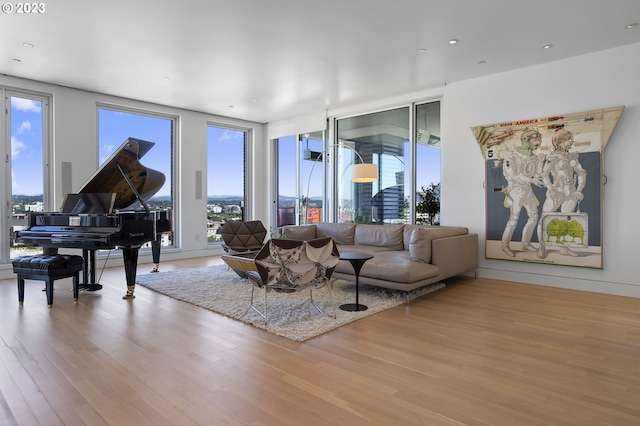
[90, 287]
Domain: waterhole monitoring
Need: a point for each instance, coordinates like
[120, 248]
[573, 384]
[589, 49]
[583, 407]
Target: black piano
[108, 211]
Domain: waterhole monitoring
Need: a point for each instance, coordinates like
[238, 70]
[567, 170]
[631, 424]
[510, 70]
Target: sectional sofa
[406, 257]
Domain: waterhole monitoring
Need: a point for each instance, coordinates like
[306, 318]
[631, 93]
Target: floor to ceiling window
[300, 179]
[381, 138]
[226, 177]
[26, 172]
[311, 162]
[428, 163]
[385, 139]
[287, 205]
[116, 125]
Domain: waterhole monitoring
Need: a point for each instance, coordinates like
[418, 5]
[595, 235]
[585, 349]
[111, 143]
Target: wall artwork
[544, 187]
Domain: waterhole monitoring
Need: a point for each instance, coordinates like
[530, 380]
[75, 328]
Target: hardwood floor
[478, 352]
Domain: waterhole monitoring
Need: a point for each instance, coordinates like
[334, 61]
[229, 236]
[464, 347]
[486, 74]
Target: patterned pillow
[300, 266]
[285, 255]
[283, 265]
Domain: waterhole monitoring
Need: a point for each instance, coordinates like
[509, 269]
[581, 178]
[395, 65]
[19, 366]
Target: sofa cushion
[421, 238]
[389, 236]
[342, 233]
[298, 232]
[395, 266]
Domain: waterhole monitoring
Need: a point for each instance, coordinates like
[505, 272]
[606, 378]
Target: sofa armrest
[455, 255]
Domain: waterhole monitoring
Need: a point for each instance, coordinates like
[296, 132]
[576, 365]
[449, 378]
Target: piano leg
[155, 253]
[130, 257]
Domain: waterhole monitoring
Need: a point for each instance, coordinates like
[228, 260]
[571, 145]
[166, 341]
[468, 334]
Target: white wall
[604, 79]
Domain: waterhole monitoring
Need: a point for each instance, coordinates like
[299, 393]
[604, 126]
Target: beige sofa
[405, 256]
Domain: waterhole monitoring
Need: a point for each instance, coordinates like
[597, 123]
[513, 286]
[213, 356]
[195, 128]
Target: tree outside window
[428, 205]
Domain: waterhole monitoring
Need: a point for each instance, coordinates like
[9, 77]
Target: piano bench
[48, 268]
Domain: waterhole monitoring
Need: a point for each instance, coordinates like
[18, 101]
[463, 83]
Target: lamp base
[353, 307]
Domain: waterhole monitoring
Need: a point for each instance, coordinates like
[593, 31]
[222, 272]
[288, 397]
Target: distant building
[232, 209]
[37, 207]
[214, 208]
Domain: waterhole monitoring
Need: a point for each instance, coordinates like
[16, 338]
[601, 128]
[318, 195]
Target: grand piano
[108, 211]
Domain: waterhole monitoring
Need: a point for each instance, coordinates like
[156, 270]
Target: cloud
[106, 152]
[25, 126]
[26, 105]
[22, 104]
[14, 185]
[231, 135]
[17, 147]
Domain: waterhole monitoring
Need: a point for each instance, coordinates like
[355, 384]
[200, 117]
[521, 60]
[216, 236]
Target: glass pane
[114, 127]
[381, 138]
[428, 163]
[27, 165]
[287, 188]
[226, 175]
[312, 173]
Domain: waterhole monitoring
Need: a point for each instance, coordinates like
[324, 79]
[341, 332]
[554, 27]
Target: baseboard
[582, 284]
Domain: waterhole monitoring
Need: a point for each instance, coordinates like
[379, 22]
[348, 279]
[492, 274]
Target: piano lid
[126, 159]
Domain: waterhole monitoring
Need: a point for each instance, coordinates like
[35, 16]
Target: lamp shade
[364, 172]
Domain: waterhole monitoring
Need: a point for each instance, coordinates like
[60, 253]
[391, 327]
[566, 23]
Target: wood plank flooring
[478, 352]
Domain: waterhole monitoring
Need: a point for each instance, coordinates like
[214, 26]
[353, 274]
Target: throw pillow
[421, 238]
[342, 233]
[420, 245]
[389, 236]
[299, 232]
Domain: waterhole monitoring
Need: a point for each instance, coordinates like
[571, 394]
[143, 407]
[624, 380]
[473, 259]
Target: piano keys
[102, 215]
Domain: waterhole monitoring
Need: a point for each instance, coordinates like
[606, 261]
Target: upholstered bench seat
[47, 268]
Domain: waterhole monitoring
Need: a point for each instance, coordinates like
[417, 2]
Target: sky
[224, 157]
[114, 127]
[225, 161]
[225, 148]
[26, 146]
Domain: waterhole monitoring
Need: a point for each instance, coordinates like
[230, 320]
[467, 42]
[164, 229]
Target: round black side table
[356, 260]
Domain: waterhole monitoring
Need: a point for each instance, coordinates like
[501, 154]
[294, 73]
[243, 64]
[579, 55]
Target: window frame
[6, 191]
[411, 163]
[174, 163]
[303, 180]
[248, 170]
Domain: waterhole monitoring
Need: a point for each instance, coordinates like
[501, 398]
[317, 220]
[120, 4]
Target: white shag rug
[291, 315]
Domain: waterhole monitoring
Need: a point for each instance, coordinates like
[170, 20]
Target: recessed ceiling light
[231, 106]
[254, 100]
[635, 24]
[482, 62]
[547, 46]
[422, 50]
[454, 41]
[27, 44]
[17, 60]
[165, 78]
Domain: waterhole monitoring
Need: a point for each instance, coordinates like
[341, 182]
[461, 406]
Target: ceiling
[267, 60]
